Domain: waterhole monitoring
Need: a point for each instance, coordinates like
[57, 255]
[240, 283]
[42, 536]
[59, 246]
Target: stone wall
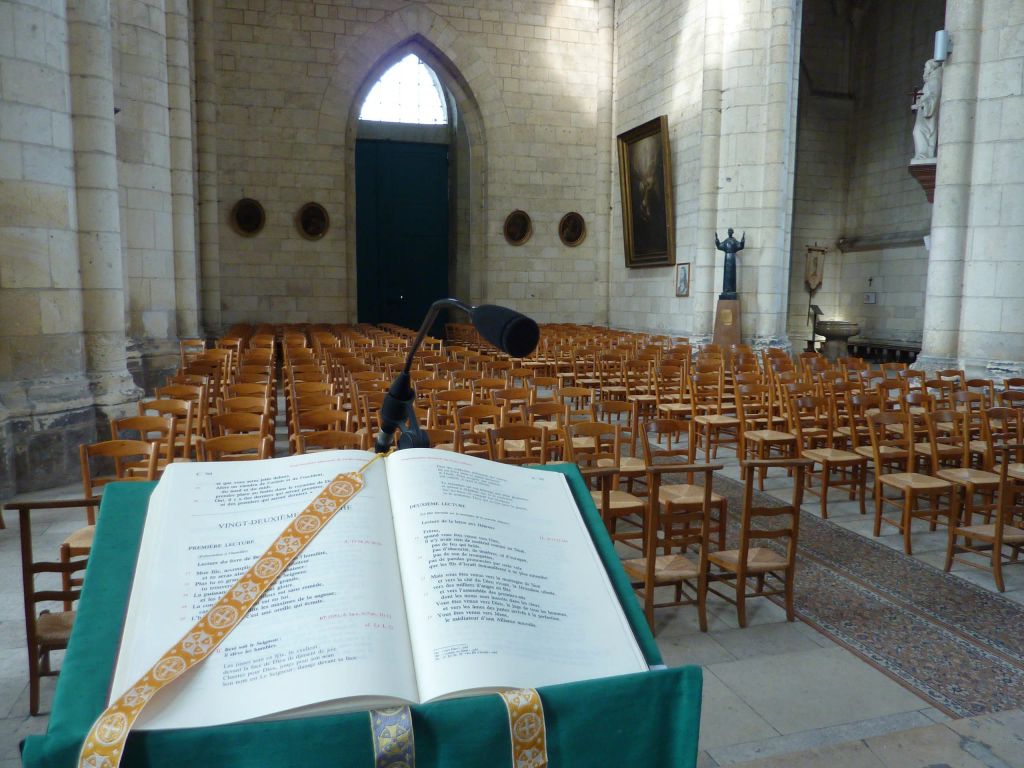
[290, 79]
[726, 76]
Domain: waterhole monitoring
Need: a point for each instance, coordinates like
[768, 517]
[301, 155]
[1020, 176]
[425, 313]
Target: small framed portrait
[683, 279]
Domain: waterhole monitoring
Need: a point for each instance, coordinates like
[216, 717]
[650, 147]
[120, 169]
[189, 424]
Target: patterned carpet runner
[953, 643]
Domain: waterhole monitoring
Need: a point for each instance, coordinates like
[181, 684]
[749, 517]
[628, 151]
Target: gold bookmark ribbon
[104, 744]
[394, 745]
[526, 724]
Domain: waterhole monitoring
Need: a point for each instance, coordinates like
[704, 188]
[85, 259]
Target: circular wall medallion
[518, 227]
[247, 217]
[312, 221]
[572, 229]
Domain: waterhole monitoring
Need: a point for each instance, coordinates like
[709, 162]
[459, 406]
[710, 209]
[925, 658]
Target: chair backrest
[245, 447]
[239, 422]
[244, 405]
[330, 439]
[472, 423]
[948, 430]
[443, 404]
[770, 523]
[1000, 426]
[184, 413]
[121, 454]
[1012, 398]
[811, 420]
[518, 444]
[578, 403]
[891, 434]
[151, 429]
[668, 441]
[593, 443]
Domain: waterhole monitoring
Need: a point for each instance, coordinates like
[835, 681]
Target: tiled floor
[775, 693]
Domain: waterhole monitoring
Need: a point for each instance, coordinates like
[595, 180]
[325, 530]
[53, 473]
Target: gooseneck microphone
[511, 332]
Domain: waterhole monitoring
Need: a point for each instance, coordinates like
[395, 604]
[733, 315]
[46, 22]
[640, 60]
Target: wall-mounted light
[943, 45]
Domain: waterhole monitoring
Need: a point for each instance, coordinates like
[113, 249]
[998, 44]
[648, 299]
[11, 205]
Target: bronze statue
[729, 247]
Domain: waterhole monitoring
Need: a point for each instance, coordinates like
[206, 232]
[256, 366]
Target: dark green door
[401, 230]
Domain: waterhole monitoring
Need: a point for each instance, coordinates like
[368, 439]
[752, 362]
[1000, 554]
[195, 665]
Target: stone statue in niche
[926, 105]
[729, 247]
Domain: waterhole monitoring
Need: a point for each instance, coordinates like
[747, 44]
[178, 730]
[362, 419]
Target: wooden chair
[518, 444]
[670, 534]
[46, 631]
[891, 447]
[756, 439]
[150, 429]
[120, 455]
[708, 413]
[187, 429]
[950, 458]
[595, 445]
[773, 572]
[319, 420]
[991, 539]
[672, 441]
[472, 423]
[812, 422]
[445, 403]
[247, 447]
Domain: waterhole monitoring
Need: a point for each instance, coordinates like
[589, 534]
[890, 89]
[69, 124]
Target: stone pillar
[183, 223]
[45, 403]
[991, 338]
[779, 153]
[950, 213]
[705, 277]
[605, 147]
[206, 166]
[754, 184]
[99, 225]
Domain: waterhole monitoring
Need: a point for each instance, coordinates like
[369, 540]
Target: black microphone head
[508, 330]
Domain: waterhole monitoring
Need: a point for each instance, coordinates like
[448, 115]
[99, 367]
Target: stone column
[183, 223]
[779, 162]
[45, 400]
[605, 145]
[99, 224]
[206, 166]
[705, 275]
[949, 226]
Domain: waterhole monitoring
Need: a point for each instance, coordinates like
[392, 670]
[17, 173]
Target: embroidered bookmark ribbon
[394, 745]
[104, 744]
[526, 723]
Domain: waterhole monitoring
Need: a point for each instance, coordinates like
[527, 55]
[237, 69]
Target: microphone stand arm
[435, 308]
[397, 412]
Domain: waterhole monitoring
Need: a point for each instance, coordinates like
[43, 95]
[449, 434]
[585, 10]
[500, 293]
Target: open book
[446, 575]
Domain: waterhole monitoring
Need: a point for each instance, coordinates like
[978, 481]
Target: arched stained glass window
[409, 92]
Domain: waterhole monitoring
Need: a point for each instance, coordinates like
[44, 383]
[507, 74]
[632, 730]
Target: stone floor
[775, 693]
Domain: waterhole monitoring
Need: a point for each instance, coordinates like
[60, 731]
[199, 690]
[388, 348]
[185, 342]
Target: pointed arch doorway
[404, 206]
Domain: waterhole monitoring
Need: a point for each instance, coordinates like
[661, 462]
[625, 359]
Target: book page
[503, 586]
[332, 626]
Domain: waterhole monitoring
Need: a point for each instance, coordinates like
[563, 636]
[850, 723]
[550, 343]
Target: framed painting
[683, 279]
[646, 188]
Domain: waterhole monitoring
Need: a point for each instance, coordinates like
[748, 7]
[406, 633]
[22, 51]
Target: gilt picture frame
[645, 185]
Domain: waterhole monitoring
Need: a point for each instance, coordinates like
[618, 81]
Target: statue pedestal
[924, 173]
[727, 323]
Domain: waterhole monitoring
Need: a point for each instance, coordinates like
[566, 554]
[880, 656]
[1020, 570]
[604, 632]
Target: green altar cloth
[650, 718]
